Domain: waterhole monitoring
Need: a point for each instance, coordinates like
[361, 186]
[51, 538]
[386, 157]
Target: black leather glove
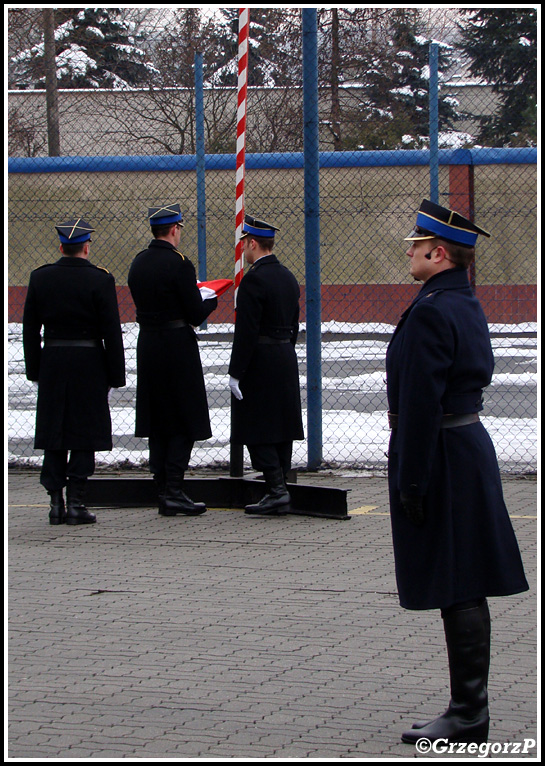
[413, 505]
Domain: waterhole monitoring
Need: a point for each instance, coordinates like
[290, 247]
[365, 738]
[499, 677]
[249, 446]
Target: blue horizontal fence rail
[359, 295]
[277, 160]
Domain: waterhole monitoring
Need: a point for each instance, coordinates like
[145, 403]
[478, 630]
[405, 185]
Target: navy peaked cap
[253, 227]
[74, 232]
[165, 214]
[436, 221]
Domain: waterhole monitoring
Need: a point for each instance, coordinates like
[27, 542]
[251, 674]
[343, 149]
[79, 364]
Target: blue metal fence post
[434, 122]
[200, 159]
[312, 237]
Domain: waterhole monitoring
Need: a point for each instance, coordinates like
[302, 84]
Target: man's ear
[441, 254]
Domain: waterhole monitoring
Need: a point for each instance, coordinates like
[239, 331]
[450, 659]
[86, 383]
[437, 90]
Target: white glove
[235, 390]
[207, 292]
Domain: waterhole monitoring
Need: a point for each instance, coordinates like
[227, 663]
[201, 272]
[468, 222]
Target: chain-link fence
[113, 169]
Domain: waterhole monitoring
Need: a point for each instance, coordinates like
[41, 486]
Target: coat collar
[451, 279]
[67, 260]
[161, 243]
[264, 260]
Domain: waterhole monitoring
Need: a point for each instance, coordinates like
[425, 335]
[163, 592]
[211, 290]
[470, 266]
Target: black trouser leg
[53, 473]
[58, 466]
[271, 457]
[81, 465]
[169, 455]
[157, 460]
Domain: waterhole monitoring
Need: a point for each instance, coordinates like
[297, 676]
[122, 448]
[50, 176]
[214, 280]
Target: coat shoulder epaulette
[100, 268]
[179, 253]
[433, 295]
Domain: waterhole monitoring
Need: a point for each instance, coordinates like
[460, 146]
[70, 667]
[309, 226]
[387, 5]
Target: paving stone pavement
[230, 637]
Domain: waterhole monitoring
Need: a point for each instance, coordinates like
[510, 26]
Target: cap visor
[414, 236]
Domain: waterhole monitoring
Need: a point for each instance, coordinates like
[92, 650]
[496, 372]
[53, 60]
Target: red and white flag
[213, 288]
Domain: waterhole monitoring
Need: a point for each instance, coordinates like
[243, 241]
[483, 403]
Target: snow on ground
[351, 438]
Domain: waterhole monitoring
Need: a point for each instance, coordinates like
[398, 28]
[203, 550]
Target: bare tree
[26, 136]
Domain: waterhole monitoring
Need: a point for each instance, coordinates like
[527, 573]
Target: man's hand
[413, 505]
[234, 386]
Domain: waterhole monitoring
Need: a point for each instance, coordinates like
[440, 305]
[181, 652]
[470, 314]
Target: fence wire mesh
[367, 207]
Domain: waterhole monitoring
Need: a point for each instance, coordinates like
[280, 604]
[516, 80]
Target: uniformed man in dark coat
[81, 358]
[171, 403]
[453, 541]
[264, 376]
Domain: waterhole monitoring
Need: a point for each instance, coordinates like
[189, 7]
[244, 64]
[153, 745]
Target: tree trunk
[52, 105]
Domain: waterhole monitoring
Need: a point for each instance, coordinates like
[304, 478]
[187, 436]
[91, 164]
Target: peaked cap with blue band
[74, 232]
[253, 227]
[161, 216]
[434, 221]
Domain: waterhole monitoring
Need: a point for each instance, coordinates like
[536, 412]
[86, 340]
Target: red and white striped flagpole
[243, 34]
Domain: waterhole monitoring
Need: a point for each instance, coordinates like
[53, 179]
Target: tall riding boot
[57, 511]
[176, 501]
[466, 719]
[76, 512]
[277, 498]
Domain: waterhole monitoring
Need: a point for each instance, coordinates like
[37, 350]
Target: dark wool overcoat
[267, 309]
[437, 363]
[73, 299]
[170, 391]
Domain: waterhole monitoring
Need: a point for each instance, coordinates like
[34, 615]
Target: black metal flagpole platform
[220, 492]
[235, 491]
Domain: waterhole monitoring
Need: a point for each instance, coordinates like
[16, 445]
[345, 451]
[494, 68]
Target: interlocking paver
[224, 636]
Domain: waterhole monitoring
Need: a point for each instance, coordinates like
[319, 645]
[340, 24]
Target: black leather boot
[76, 512]
[176, 501]
[466, 719]
[160, 485]
[57, 511]
[276, 501]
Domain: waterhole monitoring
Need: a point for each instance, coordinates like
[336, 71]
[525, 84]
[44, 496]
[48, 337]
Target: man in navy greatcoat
[81, 358]
[264, 376]
[171, 403]
[454, 544]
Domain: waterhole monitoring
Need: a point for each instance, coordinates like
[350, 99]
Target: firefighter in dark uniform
[81, 359]
[171, 403]
[453, 541]
[264, 376]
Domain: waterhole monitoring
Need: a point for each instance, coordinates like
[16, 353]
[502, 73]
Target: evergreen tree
[174, 52]
[274, 41]
[502, 44]
[94, 49]
[384, 58]
[410, 72]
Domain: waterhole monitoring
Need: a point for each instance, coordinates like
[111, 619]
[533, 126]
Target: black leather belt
[448, 421]
[268, 340]
[172, 325]
[80, 343]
